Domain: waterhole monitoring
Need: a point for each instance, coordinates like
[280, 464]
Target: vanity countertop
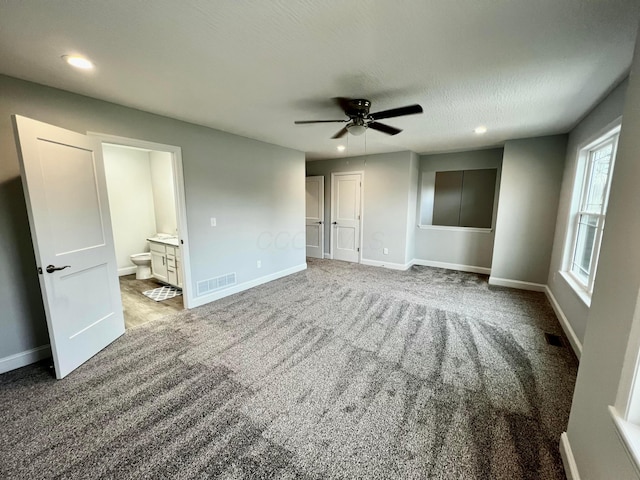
[167, 240]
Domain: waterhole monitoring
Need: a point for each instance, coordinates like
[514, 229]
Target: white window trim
[577, 288]
[595, 254]
[626, 411]
[611, 138]
[583, 164]
[629, 434]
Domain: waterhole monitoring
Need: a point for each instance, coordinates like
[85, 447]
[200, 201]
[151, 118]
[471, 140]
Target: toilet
[143, 264]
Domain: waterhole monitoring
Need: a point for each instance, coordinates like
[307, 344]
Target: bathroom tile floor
[139, 309]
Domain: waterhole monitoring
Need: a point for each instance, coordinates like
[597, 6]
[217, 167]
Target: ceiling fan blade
[342, 102]
[397, 112]
[381, 127]
[341, 133]
[302, 122]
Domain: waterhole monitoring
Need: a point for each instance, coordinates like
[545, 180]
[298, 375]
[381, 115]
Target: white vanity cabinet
[173, 266]
[159, 261]
[166, 263]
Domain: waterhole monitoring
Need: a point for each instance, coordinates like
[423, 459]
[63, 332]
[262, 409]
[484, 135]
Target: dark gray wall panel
[447, 198]
[478, 190]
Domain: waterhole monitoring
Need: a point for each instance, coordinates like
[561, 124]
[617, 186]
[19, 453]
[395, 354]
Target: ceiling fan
[357, 109]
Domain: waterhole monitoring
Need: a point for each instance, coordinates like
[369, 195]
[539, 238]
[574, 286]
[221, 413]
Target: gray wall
[600, 117]
[386, 193]
[255, 190]
[131, 202]
[412, 219]
[597, 449]
[164, 197]
[529, 192]
[457, 246]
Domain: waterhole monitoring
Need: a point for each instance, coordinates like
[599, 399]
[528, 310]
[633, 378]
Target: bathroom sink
[165, 238]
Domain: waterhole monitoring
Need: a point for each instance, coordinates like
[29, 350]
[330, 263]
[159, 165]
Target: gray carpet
[341, 371]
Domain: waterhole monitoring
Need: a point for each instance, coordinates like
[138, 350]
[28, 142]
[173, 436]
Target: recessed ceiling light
[480, 130]
[341, 148]
[78, 62]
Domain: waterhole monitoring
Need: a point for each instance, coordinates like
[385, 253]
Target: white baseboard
[211, 297]
[570, 466]
[126, 271]
[452, 266]
[25, 358]
[505, 282]
[564, 323]
[328, 256]
[392, 266]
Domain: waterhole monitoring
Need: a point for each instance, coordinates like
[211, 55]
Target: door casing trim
[181, 206]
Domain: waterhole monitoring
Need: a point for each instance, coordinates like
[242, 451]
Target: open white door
[64, 184]
[315, 216]
[345, 216]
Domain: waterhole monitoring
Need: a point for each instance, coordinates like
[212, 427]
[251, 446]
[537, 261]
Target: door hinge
[358, 249]
[40, 270]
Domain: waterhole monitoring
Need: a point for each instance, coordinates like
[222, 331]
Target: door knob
[334, 223]
[52, 268]
[319, 223]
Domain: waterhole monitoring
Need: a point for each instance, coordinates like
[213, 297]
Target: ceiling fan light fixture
[481, 130]
[341, 148]
[356, 129]
[360, 119]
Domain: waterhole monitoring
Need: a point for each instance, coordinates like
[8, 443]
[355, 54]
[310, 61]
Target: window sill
[577, 288]
[455, 229]
[629, 433]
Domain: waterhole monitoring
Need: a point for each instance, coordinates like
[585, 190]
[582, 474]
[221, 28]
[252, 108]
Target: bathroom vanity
[166, 260]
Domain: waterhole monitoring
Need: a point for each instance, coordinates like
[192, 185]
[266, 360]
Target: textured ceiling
[521, 67]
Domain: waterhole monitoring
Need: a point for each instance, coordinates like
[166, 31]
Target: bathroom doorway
[146, 199]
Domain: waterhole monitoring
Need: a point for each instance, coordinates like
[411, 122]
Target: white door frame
[181, 205]
[333, 175]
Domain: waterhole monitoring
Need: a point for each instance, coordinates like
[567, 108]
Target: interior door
[345, 219]
[315, 217]
[65, 190]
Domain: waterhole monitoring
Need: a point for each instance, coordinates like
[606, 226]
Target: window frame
[625, 412]
[583, 179]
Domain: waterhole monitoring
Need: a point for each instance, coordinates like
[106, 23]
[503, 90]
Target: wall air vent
[213, 284]
[553, 339]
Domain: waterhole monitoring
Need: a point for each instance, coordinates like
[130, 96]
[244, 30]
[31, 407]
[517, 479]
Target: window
[459, 198]
[588, 219]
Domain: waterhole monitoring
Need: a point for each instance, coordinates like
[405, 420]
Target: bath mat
[163, 293]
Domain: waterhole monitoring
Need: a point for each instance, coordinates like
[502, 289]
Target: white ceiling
[521, 67]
